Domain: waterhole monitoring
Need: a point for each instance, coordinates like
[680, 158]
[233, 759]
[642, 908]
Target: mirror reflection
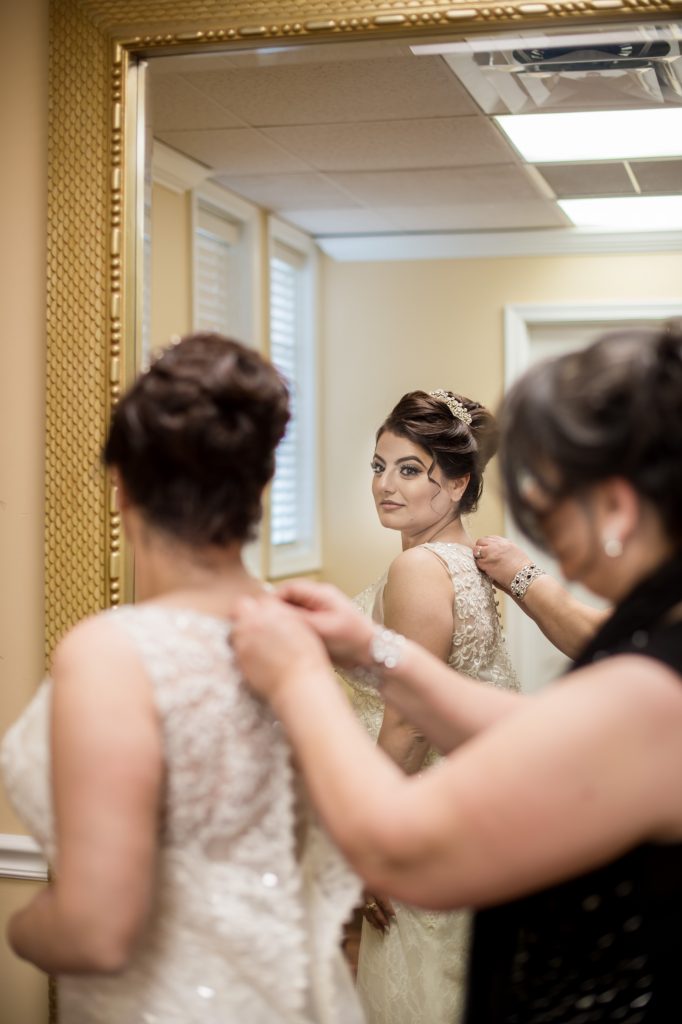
[366, 212]
[357, 209]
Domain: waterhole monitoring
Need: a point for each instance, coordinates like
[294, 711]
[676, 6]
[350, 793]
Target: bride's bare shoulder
[95, 642]
[418, 568]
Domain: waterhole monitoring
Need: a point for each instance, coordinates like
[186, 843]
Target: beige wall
[23, 170]
[171, 246]
[23, 989]
[393, 327]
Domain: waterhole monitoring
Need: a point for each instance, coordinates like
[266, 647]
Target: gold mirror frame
[95, 184]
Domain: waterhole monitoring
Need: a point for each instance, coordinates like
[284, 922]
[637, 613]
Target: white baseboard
[21, 857]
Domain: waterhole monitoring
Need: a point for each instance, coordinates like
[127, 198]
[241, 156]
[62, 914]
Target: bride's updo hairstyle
[611, 409]
[456, 447]
[194, 439]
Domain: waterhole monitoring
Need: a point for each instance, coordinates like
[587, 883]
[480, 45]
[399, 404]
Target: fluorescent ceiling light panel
[595, 135]
[626, 213]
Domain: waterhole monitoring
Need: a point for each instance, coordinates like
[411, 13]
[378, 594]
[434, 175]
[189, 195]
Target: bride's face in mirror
[410, 491]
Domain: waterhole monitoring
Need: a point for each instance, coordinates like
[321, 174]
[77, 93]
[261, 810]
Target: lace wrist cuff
[523, 579]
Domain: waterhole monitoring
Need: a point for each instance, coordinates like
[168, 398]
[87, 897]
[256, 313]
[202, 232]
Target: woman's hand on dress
[274, 646]
[499, 559]
[345, 632]
[378, 911]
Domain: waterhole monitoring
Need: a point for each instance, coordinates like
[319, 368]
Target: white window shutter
[216, 277]
[285, 315]
[227, 284]
[294, 497]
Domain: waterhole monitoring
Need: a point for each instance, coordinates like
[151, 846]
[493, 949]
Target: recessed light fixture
[595, 135]
[626, 213]
[497, 44]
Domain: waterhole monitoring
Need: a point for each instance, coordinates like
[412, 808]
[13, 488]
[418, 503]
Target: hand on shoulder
[499, 559]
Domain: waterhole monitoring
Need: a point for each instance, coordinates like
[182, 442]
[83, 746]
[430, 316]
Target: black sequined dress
[605, 946]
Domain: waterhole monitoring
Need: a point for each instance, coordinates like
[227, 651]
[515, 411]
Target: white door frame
[519, 318]
[518, 322]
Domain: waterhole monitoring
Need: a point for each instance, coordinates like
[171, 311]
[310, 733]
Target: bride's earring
[613, 546]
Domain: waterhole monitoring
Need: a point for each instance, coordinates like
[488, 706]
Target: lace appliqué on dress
[479, 649]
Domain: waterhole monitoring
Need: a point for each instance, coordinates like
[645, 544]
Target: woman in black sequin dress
[558, 816]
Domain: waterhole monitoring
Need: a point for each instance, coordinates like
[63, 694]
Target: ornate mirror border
[94, 181]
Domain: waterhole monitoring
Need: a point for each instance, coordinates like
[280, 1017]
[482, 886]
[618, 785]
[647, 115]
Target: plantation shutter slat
[216, 239]
[284, 320]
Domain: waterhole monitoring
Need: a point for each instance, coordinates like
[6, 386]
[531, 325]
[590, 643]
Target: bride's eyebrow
[411, 458]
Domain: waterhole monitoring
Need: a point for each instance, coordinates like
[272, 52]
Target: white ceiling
[367, 139]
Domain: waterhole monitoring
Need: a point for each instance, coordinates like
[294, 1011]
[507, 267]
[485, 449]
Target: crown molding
[176, 171]
[21, 857]
[491, 244]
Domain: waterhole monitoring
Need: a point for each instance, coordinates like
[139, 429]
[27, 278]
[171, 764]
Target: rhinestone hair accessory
[453, 404]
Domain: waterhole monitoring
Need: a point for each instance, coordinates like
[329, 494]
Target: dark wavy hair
[194, 439]
[457, 448]
[611, 409]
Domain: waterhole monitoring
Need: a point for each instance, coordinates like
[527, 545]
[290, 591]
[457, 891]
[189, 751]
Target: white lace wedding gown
[242, 930]
[416, 971]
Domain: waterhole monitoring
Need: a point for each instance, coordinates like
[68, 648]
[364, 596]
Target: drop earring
[613, 547]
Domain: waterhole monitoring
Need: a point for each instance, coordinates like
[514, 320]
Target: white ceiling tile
[476, 216]
[591, 179]
[338, 222]
[178, 106]
[663, 176]
[432, 142]
[362, 139]
[234, 151]
[296, 191]
[159, 67]
[337, 91]
[444, 186]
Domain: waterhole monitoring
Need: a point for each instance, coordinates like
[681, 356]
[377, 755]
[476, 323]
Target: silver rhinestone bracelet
[523, 579]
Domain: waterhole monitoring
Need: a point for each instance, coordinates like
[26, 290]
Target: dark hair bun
[486, 432]
[194, 438]
[457, 447]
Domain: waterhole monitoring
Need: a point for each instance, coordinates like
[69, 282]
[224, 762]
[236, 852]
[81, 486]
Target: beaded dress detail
[415, 973]
[243, 928]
